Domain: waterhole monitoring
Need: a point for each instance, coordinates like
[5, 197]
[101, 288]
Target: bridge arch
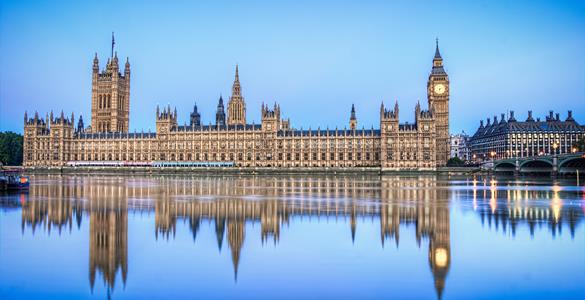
[536, 166]
[505, 166]
[572, 164]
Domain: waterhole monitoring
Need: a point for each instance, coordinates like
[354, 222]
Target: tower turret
[80, 126]
[96, 66]
[270, 118]
[165, 120]
[127, 68]
[220, 113]
[352, 118]
[195, 117]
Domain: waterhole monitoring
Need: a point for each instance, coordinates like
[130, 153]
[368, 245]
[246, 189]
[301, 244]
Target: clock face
[440, 89]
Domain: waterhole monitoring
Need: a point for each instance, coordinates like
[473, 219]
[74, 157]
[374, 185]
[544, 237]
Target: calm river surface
[293, 237]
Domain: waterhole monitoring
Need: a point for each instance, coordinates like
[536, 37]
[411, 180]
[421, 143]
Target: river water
[293, 237]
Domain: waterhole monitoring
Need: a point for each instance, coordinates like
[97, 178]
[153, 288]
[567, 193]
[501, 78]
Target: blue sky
[314, 58]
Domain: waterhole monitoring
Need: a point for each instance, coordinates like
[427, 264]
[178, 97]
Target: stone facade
[422, 145]
[460, 146]
[110, 96]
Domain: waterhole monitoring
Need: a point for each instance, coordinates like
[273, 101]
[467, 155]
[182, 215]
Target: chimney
[503, 118]
[511, 116]
[488, 121]
[550, 115]
[495, 120]
[558, 117]
[570, 115]
[480, 123]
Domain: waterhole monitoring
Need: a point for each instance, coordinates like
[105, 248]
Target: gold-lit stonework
[270, 205]
[274, 143]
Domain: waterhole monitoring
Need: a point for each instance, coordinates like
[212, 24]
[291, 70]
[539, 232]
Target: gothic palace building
[55, 141]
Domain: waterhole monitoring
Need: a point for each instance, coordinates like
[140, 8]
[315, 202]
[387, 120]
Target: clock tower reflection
[233, 202]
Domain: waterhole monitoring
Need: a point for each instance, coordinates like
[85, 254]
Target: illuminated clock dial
[440, 89]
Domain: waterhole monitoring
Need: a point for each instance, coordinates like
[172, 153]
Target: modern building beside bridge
[509, 138]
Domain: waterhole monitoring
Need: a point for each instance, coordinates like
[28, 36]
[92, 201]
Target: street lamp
[574, 150]
[555, 146]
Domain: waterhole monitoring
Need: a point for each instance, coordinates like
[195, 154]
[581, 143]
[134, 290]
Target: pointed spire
[352, 117]
[113, 43]
[127, 65]
[437, 53]
[237, 75]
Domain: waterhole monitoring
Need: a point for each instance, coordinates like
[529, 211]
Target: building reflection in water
[231, 202]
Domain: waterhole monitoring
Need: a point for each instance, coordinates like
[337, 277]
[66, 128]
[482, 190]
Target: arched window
[109, 101]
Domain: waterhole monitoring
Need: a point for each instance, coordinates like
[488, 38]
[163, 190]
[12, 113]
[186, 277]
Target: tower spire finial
[237, 75]
[113, 43]
[437, 53]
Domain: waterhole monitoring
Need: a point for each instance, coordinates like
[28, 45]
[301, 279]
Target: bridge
[561, 164]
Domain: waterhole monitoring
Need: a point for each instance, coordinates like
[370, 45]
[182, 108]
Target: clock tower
[438, 96]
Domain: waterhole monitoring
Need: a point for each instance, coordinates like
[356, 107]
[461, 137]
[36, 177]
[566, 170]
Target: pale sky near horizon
[314, 58]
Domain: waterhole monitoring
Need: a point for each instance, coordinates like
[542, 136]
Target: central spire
[236, 88]
[236, 106]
